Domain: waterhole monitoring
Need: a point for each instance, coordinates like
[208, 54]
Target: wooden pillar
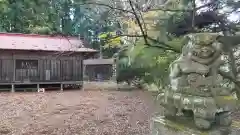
[13, 88]
[84, 72]
[38, 87]
[114, 71]
[61, 87]
[14, 70]
[82, 86]
[84, 76]
[114, 75]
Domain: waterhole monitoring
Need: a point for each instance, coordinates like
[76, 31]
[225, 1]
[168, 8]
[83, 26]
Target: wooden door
[26, 70]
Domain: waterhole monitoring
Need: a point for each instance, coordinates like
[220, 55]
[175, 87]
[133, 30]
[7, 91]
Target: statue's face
[203, 52]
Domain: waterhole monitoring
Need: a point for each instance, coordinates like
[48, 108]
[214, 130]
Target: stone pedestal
[185, 126]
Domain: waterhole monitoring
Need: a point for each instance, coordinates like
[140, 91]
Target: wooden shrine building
[27, 59]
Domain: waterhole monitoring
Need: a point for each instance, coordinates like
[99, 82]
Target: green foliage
[147, 64]
[111, 40]
[130, 73]
[41, 30]
[20, 16]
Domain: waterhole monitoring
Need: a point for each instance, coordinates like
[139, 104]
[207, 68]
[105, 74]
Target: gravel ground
[76, 113]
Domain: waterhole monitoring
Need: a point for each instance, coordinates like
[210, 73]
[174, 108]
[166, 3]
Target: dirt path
[76, 113]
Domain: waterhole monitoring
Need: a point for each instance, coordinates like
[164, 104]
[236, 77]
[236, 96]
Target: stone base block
[185, 126]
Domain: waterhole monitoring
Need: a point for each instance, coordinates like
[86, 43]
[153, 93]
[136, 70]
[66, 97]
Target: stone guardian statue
[195, 84]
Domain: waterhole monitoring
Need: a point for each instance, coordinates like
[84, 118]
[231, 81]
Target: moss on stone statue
[185, 126]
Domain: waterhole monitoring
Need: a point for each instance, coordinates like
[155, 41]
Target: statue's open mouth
[204, 54]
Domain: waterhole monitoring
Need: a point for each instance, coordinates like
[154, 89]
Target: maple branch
[165, 45]
[106, 5]
[162, 45]
[138, 21]
[181, 10]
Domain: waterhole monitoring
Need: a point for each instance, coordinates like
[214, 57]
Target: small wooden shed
[100, 74]
[39, 59]
[99, 70]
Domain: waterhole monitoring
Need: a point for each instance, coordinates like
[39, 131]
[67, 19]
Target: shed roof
[13, 41]
[98, 61]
